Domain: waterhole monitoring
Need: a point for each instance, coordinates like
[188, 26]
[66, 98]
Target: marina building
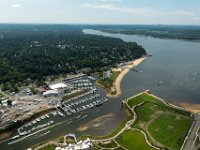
[57, 86]
[50, 93]
[81, 145]
[61, 87]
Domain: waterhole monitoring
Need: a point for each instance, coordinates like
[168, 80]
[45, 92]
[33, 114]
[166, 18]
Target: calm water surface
[173, 73]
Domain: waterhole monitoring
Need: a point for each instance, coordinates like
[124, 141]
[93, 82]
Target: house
[107, 74]
[5, 102]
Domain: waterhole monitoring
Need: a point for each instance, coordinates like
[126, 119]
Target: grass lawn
[145, 113]
[133, 140]
[96, 148]
[111, 144]
[49, 147]
[148, 98]
[1, 95]
[143, 98]
[7, 92]
[119, 148]
[170, 129]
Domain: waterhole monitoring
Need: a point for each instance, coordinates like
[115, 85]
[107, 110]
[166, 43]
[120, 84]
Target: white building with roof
[50, 93]
[57, 86]
[81, 145]
[5, 102]
[107, 74]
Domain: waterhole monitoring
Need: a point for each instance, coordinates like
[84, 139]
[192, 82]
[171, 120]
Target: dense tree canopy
[36, 51]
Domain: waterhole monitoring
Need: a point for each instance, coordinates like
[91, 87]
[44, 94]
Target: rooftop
[57, 86]
[50, 92]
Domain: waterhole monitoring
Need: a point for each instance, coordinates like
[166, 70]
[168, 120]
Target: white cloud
[137, 11]
[16, 5]
[185, 13]
[196, 18]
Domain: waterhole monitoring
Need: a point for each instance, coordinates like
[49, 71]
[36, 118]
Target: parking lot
[87, 100]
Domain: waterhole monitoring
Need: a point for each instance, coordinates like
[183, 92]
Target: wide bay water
[173, 73]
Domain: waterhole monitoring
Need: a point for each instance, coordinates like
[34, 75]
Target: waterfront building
[57, 86]
[107, 74]
[50, 93]
[80, 145]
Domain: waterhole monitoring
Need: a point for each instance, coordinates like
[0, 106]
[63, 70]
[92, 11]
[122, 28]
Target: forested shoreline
[184, 32]
[33, 52]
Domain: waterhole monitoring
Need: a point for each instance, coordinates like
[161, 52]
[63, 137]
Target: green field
[119, 148]
[111, 144]
[174, 128]
[133, 140]
[49, 147]
[145, 113]
[143, 98]
[165, 126]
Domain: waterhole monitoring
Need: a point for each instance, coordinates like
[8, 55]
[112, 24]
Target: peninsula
[123, 71]
[113, 78]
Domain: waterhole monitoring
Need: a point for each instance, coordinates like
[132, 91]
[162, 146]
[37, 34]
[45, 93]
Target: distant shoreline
[151, 35]
[124, 70]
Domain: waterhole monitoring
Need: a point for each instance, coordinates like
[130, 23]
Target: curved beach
[124, 70]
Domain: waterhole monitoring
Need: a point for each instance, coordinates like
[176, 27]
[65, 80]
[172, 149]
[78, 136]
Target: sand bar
[195, 108]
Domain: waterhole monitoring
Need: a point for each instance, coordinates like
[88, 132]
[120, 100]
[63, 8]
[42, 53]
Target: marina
[166, 67]
[73, 105]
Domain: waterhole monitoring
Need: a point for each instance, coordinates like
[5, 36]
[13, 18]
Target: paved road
[198, 146]
[189, 145]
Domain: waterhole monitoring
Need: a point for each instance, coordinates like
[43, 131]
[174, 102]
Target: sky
[181, 12]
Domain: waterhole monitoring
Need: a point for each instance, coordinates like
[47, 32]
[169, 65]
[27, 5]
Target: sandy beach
[195, 108]
[123, 71]
[97, 123]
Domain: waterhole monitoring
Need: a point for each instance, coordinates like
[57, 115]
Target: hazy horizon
[88, 24]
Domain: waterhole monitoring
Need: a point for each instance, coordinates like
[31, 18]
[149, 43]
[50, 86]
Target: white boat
[61, 114]
[54, 113]
[69, 122]
[84, 116]
[47, 132]
[105, 99]
[38, 120]
[14, 137]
